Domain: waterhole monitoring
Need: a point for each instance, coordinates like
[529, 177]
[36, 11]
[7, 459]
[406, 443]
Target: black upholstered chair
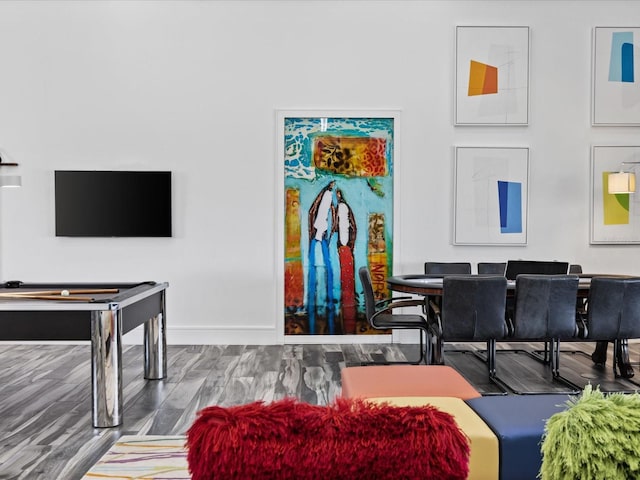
[599, 355]
[535, 267]
[442, 268]
[493, 268]
[447, 268]
[545, 311]
[581, 302]
[379, 315]
[613, 315]
[473, 310]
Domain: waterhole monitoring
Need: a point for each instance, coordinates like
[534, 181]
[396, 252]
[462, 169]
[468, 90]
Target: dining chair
[599, 354]
[443, 268]
[473, 310]
[447, 268]
[497, 268]
[545, 311]
[535, 267]
[380, 317]
[613, 315]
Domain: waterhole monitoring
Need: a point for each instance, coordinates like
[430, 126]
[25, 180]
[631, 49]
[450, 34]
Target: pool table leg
[155, 345]
[106, 367]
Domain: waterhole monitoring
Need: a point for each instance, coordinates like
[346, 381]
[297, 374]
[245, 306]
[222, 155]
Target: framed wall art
[615, 83]
[337, 214]
[492, 76]
[490, 195]
[615, 217]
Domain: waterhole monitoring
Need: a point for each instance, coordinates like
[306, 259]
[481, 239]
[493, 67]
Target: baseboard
[336, 339]
[250, 336]
[245, 335]
[186, 335]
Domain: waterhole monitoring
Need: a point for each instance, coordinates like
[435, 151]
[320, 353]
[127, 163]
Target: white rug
[146, 457]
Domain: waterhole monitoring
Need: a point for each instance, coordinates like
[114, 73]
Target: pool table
[101, 318]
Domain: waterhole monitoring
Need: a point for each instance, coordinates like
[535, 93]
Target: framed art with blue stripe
[490, 197]
[615, 83]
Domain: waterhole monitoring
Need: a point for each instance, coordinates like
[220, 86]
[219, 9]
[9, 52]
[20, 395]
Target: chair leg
[555, 357]
[547, 347]
[423, 356]
[553, 351]
[427, 346]
[599, 355]
[436, 346]
[491, 367]
[491, 357]
[554, 345]
[424, 352]
[541, 355]
[621, 352]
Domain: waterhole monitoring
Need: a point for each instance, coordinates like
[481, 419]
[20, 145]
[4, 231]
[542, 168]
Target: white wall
[193, 87]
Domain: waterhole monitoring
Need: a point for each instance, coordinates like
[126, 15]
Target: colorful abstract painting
[338, 217]
[491, 196]
[616, 90]
[615, 217]
[492, 76]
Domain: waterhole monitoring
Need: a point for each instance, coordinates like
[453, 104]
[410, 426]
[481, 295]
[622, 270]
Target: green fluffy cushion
[597, 437]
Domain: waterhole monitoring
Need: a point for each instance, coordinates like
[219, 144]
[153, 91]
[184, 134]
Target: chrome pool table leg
[155, 345]
[106, 367]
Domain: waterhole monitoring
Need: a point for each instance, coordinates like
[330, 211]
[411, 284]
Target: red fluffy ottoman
[351, 439]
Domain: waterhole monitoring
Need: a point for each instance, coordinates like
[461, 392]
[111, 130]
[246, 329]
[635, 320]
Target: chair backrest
[473, 308]
[545, 307]
[446, 268]
[529, 267]
[367, 287]
[575, 269]
[614, 308]
[497, 268]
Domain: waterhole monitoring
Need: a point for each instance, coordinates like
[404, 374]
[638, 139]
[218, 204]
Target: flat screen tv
[90, 203]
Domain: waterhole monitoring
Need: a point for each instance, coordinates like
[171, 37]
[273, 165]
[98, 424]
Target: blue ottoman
[518, 421]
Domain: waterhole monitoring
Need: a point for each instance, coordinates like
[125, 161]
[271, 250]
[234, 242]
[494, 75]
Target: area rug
[146, 457]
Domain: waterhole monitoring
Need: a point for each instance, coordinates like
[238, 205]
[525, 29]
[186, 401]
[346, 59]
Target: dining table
[431, 285]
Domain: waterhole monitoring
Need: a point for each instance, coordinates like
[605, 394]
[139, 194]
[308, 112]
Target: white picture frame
[491, 195]
[615, 218]
[615, 76]
[492, 75]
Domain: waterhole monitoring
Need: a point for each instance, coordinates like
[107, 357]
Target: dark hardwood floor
[45, 393]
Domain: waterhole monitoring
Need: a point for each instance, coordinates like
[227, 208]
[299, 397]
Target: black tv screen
[90, 203]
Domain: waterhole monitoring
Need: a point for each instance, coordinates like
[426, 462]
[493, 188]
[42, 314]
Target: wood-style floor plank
[45, 391]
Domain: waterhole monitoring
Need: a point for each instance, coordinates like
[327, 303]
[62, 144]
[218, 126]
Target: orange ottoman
[405, 381]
